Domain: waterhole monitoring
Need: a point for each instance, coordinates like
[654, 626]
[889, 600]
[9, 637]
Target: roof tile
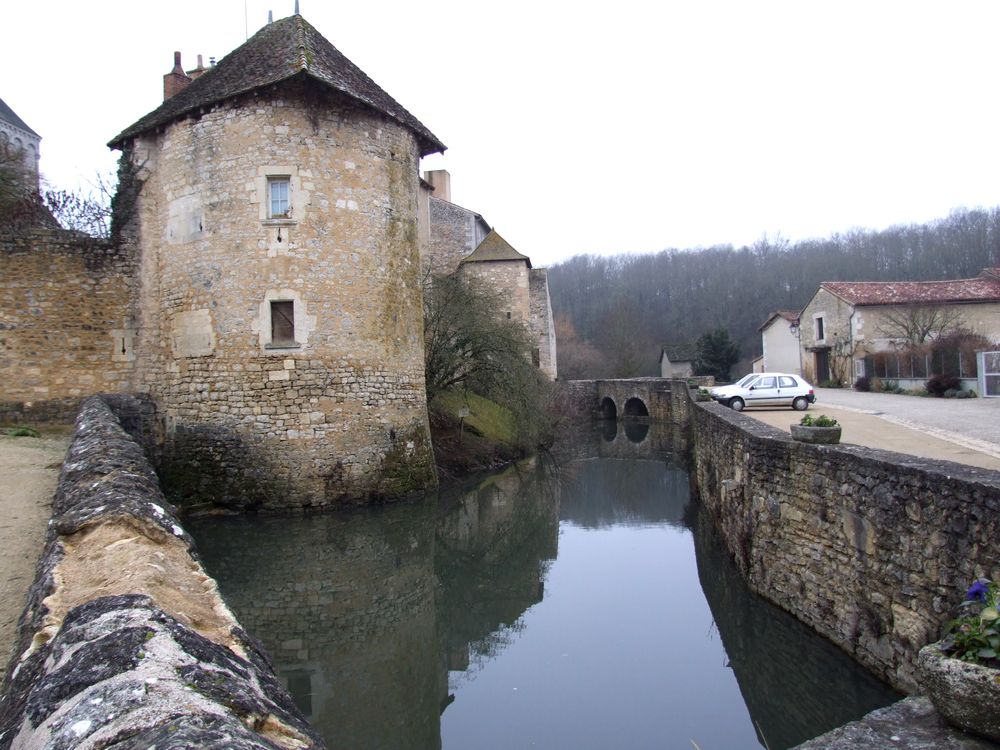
[494, 247]
[985, 288]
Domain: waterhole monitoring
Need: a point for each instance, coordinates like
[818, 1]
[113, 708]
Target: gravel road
[29, 470]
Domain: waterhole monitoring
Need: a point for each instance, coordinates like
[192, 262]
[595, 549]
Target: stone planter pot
[966, 695]
[820, 435]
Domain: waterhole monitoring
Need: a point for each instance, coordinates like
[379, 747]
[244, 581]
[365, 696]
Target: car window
[765, 383]
[787, 382]
[747, 380]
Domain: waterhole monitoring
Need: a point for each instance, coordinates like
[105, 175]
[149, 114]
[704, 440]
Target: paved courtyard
[965, 431]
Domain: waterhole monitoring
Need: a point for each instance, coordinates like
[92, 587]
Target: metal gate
[989, 374]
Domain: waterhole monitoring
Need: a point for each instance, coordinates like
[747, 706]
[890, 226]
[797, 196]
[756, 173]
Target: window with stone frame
[283, 323]
[279, 204]
[820, 333]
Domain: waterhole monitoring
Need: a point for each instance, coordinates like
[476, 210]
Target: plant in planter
[961, 672]
[702, 394]
[822, 430]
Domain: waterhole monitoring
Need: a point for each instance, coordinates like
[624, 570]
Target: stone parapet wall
[872, 549]
[125, 642]
[65, 330]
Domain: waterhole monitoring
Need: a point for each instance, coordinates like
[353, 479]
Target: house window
[282, 323]
[277, 196]
[819, 329]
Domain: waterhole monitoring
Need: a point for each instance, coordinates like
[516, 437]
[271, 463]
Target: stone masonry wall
[509, 279]
[872, 549]
[543, 328]
[339, 413]
[125, 642]
[65, 330]
[836, 328]
[454, 232]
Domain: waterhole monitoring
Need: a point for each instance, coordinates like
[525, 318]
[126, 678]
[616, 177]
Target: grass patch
[20, 431]
[483, 440]
[485, 418]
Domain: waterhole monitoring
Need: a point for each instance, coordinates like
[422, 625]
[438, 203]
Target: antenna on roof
[246, 26]
[296, 7]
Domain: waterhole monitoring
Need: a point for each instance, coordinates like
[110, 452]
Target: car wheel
[800, 404]
[736, 404]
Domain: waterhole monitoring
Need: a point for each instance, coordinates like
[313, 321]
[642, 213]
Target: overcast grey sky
[592, 127]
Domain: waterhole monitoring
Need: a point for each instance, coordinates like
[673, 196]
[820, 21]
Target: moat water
[575, 602]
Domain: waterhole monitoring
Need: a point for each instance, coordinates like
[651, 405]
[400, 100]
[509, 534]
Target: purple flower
[977, 591]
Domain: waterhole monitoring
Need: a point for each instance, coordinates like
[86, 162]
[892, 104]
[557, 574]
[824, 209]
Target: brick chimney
[176, 80]
[440, 180]
[199, 71]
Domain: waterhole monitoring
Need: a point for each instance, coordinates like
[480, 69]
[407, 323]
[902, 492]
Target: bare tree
[916, 324]
[87, 213]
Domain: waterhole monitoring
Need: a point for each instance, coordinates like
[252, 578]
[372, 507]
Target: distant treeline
[613, 313]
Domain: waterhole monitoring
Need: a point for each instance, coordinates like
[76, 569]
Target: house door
[822, 366]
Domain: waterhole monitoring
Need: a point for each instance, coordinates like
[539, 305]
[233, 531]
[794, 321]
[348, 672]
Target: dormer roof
[10, 116]
[278, 52]
[494, 248]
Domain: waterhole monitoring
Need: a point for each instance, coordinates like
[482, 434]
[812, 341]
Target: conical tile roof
[494, 247]
[278, 52]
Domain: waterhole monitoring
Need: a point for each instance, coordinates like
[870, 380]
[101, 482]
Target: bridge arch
[608, 409]
[635, 407]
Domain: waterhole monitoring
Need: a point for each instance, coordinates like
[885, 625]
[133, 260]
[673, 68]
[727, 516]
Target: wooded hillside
[613, 313]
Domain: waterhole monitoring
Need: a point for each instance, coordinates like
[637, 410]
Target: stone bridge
[619, 399]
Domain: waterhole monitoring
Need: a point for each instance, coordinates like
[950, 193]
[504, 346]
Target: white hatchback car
[766, 389]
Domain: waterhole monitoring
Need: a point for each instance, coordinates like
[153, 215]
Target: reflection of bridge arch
[635, 407]
[608, 408]
[636, 430]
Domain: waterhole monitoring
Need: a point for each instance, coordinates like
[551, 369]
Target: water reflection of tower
[494, 545]
[344, 604]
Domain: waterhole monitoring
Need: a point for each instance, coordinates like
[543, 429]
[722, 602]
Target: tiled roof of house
[792, 316]
[984, 288]
[278, 52]
[494, 247]
[9, 115]
[680, 352]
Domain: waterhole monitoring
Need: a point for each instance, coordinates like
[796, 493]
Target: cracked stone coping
[113, 544]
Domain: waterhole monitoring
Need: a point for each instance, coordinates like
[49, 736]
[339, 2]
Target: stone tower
[278, 318]
[525, 289]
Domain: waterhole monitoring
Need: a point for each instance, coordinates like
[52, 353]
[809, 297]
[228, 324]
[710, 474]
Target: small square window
[283, 323]
[279, 206]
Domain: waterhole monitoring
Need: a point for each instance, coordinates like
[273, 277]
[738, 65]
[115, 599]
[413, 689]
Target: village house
[677, 360]
[846, 323]
[779, 340]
